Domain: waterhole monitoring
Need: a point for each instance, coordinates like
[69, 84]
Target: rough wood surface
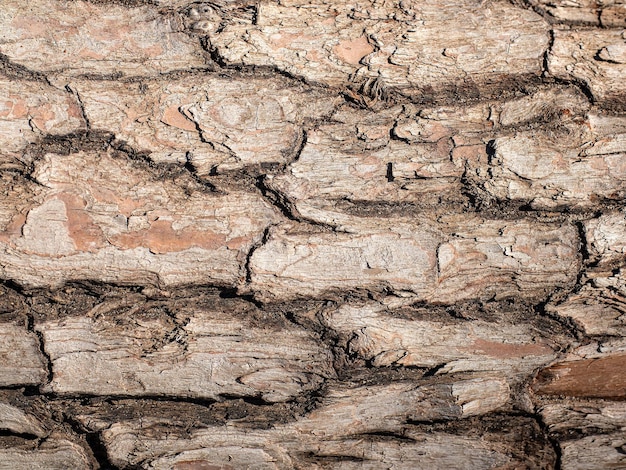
[213, 123]
[286, 447]
[20, 360]
[464, 259]
[95, 38]
[608, 13]
[15, 420]
[399, 337]
[595, 57]
[31, 110]
[53, 454]
[594, 370]
[181, 349]
[575, 166]
[412, 48]
[592, 432]
[311, 234]
[105, 217]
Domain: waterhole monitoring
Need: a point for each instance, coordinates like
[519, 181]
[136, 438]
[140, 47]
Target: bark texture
[308, 234]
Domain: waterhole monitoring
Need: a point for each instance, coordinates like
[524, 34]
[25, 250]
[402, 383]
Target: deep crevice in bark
[99, 451]
[350, 359]
[19, 72]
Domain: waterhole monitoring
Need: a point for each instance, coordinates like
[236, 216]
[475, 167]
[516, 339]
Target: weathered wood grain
[21, 362]
[214, 123]
[373, 333]
[81, 37]
[606, 240]
[572, 166]
[355, 158]
[587, 416]
[609, 13]
[423, 156]
[596, 58]
[463, 259]
[598, 307]
[52, 454]
[348, 410]
[281, 448]
[594, 452]
[311, 234]
[29, 110]
[17, 195]
[180, 351]
[416, 49]
[591, 433]
[17, 421]
[103, 216]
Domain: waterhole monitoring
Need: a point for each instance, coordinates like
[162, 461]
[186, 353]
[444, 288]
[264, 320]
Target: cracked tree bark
[300, 234]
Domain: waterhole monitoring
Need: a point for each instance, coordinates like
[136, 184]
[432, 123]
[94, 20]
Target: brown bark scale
[307, 234]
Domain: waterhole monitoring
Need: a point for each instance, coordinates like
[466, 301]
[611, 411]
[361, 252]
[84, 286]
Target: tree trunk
[302, 234]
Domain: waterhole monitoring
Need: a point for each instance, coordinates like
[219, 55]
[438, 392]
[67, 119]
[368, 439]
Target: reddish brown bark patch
[173, 117]
[162, 238]
[87, 236]
[353, 51]
[600, 378]
[508, 351]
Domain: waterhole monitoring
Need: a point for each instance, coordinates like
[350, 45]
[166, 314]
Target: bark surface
[308, 234]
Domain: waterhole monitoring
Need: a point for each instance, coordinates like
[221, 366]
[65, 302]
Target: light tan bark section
[382, 338]
[606, 237]
[216, 124]
[104, 217]
[49, 36]
[52, 454]
[466, 258]
[16, 420]
[30, 110]
[420, 156]
[414, 48]
[290, 446]
[599, 307]
[576, 166]
[603, 427]
[197, 353]
[595, 57]
[608, 13]
[20, 360]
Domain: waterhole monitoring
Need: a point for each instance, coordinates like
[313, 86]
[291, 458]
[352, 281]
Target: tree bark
[301, 234]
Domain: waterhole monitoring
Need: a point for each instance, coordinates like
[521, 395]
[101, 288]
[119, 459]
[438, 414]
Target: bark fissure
[312, 235]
